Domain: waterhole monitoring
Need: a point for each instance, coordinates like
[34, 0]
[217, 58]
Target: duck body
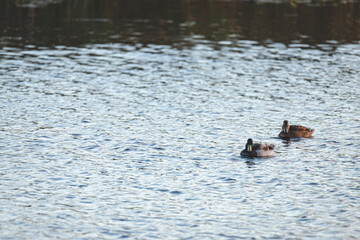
[295, 131]
[257, 149]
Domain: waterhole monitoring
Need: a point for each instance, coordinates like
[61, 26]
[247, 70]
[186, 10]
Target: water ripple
[116, 141]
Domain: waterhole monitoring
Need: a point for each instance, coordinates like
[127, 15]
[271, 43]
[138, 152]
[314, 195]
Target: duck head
[286, 126]
[249, 145]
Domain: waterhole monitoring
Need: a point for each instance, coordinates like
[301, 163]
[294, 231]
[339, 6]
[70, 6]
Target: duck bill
[249, 148]
[284, 129]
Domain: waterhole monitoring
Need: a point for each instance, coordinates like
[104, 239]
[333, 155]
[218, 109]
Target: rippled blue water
[118, 141]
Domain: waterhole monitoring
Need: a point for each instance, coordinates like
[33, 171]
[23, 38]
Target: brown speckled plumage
[295, 131]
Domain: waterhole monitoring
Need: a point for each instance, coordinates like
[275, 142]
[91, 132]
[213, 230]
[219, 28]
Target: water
[141, 138]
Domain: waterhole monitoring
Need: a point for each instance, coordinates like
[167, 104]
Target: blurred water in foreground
[125, 119]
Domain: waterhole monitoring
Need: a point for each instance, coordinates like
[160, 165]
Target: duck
[257, 149]
[295, 131]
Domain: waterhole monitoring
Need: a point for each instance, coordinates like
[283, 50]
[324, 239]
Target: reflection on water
[172, 22]
[121, 122]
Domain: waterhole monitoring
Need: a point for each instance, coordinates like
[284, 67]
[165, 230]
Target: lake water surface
[121, 122]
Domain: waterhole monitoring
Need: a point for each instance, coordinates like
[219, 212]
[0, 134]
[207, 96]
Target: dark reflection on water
[79, 22]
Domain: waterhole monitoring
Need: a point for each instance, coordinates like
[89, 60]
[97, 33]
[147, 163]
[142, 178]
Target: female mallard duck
[257, 149]
[295, 131]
